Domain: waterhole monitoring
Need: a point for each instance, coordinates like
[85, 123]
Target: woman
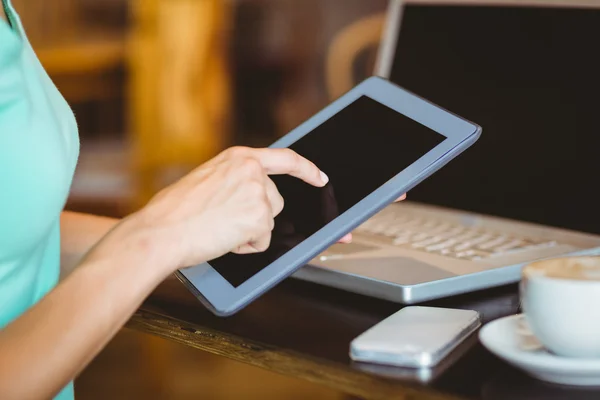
[50, 331]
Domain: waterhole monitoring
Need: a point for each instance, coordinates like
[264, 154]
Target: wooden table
[304, 330]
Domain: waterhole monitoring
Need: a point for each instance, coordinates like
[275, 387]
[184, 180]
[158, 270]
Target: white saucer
[509, 339]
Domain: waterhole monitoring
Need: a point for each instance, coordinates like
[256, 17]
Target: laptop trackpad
[399, 270]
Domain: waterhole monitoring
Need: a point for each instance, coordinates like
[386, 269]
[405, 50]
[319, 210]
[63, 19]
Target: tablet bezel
[223, 299]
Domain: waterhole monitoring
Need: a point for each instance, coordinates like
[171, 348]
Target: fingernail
[324, 178]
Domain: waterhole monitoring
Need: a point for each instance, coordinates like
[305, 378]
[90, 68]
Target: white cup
[561, 303]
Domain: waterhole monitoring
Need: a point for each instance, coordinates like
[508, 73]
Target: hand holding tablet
[235, 200]
[375, 143]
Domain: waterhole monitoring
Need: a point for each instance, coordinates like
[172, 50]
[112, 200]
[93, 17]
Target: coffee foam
[572, 268]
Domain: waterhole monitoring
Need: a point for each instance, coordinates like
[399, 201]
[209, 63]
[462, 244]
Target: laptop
[529, 74]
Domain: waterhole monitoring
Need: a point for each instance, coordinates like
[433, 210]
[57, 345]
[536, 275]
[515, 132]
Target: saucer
[509, 339]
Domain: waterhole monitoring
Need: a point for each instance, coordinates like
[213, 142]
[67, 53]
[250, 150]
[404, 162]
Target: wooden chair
[346, 46]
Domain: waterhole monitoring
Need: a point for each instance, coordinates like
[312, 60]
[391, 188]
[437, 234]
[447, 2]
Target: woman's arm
[228, 204]
[51, 343]
[78, 234]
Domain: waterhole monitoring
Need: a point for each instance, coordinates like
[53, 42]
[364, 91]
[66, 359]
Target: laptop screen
[531, 78]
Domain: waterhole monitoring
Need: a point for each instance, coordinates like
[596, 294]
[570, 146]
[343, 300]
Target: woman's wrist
[139, 247]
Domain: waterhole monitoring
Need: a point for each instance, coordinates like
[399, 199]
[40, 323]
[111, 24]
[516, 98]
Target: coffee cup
[561, 302]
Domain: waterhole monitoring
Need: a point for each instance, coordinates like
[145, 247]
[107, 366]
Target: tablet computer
[375, 143]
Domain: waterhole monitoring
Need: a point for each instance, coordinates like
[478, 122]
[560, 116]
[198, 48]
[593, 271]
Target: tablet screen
[360, 148]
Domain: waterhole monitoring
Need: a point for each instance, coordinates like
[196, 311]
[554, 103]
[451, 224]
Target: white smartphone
[415, 337]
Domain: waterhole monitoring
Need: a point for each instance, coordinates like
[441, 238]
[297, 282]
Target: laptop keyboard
[452, 240]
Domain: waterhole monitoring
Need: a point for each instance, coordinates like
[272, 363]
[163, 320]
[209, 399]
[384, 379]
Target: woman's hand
[226, 205]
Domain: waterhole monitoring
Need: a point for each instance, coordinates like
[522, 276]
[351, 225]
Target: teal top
[39, 146]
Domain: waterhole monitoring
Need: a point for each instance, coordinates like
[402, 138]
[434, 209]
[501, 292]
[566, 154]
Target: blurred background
[159, 86]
